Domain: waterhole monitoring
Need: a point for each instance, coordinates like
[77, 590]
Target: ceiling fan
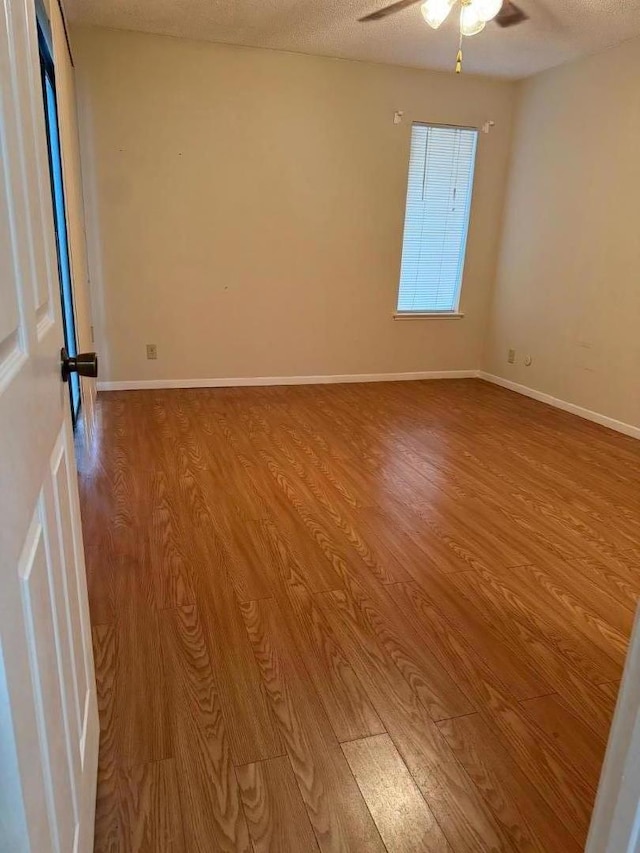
[474, 15]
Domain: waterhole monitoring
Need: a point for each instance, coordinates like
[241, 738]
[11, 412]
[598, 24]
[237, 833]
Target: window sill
[428, 315]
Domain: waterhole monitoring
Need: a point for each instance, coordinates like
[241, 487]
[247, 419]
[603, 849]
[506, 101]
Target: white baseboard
[596, 417]
[142, 384]
[247, 381]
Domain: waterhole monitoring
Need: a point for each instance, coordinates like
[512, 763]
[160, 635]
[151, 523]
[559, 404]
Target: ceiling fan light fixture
[435, 11]
[470, 22]
[486, 10]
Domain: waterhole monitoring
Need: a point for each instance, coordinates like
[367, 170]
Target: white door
[615, 825]
[48, 713]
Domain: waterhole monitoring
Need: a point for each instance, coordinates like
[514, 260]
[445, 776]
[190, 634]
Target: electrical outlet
[511, 357]
[152, 351]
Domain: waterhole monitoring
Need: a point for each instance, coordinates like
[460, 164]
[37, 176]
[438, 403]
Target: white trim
[428, 315]
[140, 384]
[596, 417]
[246, 381]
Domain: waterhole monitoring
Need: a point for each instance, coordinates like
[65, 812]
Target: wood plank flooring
[355, 617]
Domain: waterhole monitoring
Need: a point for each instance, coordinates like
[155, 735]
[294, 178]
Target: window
[436, 219]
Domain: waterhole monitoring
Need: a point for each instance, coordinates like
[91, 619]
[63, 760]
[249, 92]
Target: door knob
[85, 364]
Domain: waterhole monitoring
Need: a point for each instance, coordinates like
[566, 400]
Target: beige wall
[568, 288]
[246, 209]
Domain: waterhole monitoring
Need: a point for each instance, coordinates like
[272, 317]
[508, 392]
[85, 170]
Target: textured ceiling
[559, 30]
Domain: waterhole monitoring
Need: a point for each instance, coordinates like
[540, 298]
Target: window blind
[437, 218]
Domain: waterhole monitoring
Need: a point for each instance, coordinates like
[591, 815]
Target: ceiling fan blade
[510, 15]
[398, 6]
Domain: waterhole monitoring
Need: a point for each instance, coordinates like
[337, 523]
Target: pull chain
[459, 56]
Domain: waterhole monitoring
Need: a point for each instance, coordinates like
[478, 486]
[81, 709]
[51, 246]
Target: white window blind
[437, 218]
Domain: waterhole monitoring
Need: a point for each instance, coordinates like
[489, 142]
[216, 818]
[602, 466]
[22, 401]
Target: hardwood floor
[355, 618]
